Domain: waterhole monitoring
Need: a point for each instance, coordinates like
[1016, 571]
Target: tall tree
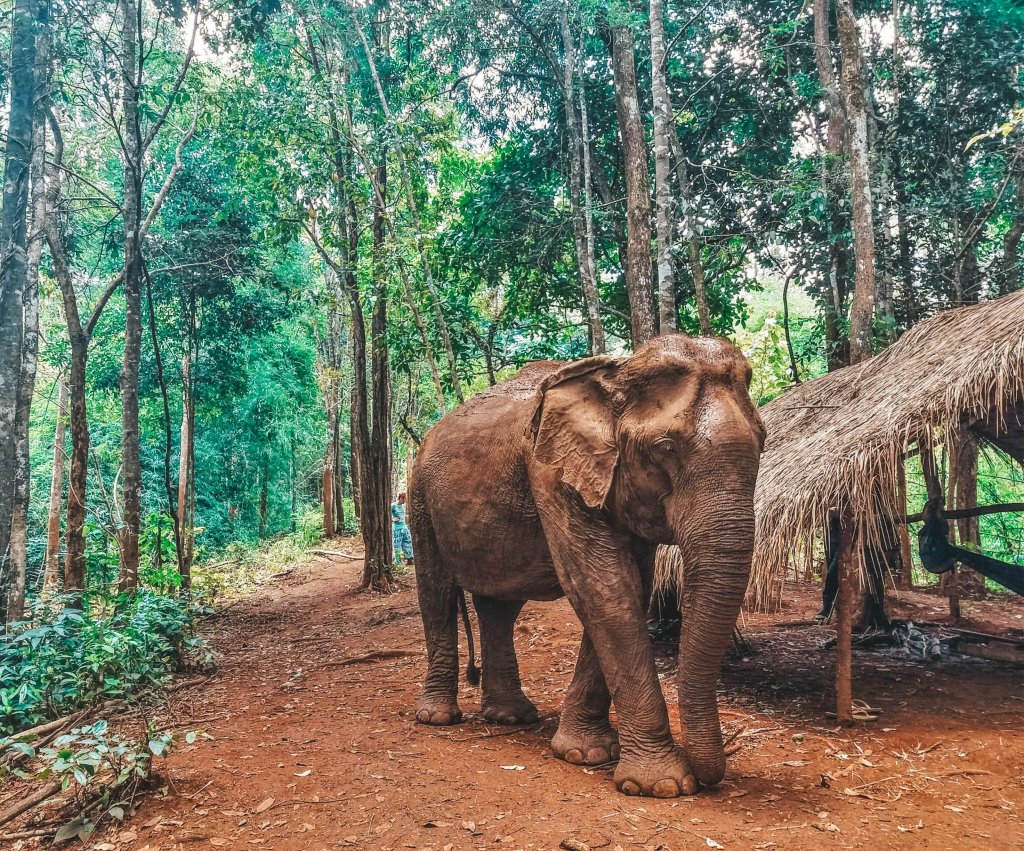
[131, 212]
[663, 128]
[639, 280]
[14, 279]
[580, 208]
[834, 294]
[852, 83]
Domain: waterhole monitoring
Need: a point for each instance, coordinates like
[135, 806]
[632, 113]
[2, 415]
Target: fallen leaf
[712, 844]
[305, 773]
[264, 805]
[218, 842]
[513, 767]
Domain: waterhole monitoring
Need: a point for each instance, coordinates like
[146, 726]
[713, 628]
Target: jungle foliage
[348, 217]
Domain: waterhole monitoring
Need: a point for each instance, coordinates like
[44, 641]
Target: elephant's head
[668, 442]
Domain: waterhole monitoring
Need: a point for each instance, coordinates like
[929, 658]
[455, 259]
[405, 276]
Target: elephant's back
[521, 387]
[470, 477]
[501, 412]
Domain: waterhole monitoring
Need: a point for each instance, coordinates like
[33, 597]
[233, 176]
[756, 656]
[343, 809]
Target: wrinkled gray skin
[564, 480]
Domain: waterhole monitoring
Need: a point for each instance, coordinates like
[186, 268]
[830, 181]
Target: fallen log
[26, 804]
[336, 554]
[992, 652]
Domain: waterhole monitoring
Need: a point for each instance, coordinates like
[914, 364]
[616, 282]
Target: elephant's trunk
[717, 548]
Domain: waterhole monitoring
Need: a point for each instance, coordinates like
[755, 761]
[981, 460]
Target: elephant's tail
[472, 671]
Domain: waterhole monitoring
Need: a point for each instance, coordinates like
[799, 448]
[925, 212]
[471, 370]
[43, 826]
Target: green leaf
[70, 830]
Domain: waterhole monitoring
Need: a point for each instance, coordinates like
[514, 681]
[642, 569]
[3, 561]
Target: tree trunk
[855, 102]
[327, 495]
[832, 301]
[131, 139]
[639, 281]
[354, 446]
[376, 461]
[185, 474]
[339, 480]
[588, 280]
[51, 566]
[663, 126]
[1009, 271]
[965, 474]
[330, 453]
[30, 346]
[906, 559]
[14, 264]
[78, 339]
[74, 560]
[588, 219]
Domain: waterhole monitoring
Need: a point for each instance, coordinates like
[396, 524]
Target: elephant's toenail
[690, 785]
[614, 752]
[628, 787]
[574, 757]
[667, 788]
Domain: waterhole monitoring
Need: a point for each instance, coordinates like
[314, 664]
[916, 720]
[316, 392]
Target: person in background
[400, 536]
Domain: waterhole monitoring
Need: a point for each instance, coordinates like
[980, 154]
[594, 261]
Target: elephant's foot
[438, 712]
[509, 709]
[665, 776]
[579, 744]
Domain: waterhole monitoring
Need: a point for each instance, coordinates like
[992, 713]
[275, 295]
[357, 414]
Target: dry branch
[26, 804]
[375, 656]
[977, 511]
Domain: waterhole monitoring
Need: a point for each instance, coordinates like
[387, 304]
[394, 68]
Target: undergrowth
[241, 568]
[65, 657]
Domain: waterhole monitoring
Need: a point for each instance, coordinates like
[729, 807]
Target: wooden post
[907, 568]
[844, 620]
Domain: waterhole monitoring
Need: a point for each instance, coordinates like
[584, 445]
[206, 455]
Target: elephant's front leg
[603, 582]
[585, 735]
[502, 699]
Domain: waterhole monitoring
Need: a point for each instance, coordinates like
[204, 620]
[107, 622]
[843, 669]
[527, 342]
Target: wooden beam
[961, 513]
[844, 621]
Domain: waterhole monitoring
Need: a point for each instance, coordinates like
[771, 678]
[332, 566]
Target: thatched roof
[839, 440]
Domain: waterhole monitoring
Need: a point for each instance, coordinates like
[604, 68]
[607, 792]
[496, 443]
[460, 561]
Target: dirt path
[308, 754]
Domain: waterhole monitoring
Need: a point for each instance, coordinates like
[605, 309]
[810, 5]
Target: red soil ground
[308, 753]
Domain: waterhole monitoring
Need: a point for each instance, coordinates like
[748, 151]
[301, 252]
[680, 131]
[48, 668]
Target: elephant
[563, 481]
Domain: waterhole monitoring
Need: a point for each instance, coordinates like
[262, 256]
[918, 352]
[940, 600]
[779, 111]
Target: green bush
[64, 657]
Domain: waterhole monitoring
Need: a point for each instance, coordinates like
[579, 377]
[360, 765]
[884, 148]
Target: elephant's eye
[665, 445]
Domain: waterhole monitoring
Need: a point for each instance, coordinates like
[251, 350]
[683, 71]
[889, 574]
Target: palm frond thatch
[838, 441]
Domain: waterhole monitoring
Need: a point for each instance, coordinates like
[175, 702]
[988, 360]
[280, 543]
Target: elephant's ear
[574, 426]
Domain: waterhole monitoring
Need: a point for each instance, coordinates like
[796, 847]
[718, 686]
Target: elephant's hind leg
[502, 700]
[585, 735]
[438, 597]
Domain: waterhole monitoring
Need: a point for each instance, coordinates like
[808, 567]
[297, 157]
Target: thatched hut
[839, 442]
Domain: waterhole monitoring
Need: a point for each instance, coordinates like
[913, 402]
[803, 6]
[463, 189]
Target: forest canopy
[252, 251]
